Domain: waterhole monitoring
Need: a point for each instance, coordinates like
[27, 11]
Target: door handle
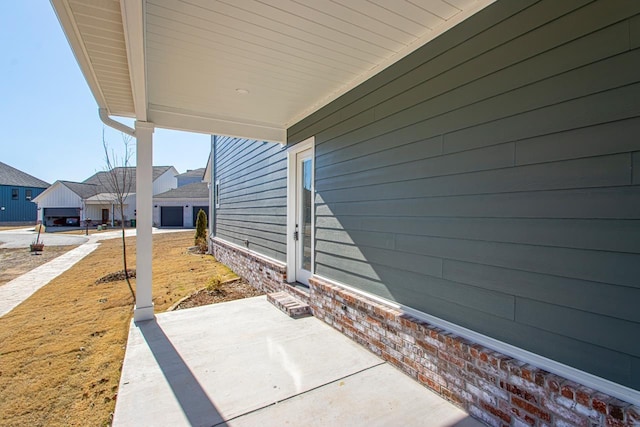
[295, 234]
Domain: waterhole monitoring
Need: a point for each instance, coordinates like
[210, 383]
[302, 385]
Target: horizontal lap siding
[20, 210]
[491, 179]
[253, 195]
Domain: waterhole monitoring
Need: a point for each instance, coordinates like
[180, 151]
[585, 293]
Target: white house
[69, 203]
[179, 207]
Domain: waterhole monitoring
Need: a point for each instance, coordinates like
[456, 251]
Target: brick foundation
[492, 387]
[261, 272]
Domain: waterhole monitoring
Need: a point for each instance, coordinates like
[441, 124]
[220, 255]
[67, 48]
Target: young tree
[201, 227]
[118, 181]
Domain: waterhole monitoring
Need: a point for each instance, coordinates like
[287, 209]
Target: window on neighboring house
[216, 193]
[27, 194]
[14, 194]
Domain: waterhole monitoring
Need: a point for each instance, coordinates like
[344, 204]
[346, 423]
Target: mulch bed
[228, 291]
[117, 276]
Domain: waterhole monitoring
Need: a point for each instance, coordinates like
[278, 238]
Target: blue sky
[48, 118]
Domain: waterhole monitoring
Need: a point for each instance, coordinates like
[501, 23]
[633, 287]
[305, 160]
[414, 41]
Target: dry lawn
[16, 262]
[61, 351]
[81, 231]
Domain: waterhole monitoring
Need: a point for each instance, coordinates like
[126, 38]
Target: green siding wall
[491, 179]
[253, 194]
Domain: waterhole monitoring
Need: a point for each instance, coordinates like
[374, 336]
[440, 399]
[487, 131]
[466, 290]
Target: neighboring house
[457, 186]
[70, 203]
[17, 190]
[190, 176]
[179, 207]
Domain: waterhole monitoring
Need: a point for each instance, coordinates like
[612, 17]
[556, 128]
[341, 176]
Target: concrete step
[289, 305]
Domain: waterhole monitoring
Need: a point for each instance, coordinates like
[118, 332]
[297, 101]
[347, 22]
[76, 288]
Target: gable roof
[12, 176]
[100, 178]
[195, 173]
[81, 189]
[195, 190]
[98, 183]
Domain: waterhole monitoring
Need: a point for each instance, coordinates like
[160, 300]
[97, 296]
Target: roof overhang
[248, 69]
[102, 198]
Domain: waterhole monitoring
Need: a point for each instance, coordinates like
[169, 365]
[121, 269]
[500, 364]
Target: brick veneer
[261, 272]
[492, 387]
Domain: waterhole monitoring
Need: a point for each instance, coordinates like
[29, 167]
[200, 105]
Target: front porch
[245, 363]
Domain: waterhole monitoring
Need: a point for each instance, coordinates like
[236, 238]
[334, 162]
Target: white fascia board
[71, 31]
[581, 377]
[133, 22]
[166, 118]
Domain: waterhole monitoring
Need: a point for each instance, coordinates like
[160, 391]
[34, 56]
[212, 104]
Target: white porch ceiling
[181, 63]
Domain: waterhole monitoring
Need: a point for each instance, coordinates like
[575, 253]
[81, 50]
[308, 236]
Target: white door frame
[292, 155]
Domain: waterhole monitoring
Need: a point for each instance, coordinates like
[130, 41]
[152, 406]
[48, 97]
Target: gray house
[451, 184]
[190, 176]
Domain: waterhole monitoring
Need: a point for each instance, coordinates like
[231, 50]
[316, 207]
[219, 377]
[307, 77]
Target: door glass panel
[306, 214]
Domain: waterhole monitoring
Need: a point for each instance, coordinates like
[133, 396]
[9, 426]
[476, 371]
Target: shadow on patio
[245, 363]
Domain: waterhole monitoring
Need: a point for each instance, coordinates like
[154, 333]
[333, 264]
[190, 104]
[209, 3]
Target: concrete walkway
[19, 289]
[245, 363]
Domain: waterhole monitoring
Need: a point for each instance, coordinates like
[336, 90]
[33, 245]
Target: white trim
[133, 22]
[142, 314]
[584, 378]
[292, 153]
[71, 31]
[189, 121]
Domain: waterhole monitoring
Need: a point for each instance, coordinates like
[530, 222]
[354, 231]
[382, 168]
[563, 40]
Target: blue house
[17, 190]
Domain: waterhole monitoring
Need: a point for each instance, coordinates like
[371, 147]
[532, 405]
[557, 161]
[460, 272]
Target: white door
[304, 216]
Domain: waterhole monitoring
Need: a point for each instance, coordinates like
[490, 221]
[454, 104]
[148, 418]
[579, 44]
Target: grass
[81, 231]
[62, 349]
[17, 261]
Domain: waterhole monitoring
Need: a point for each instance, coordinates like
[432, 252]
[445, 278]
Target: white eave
[243, 68]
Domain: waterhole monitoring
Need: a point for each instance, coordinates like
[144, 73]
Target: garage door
[61, 211]
[171, 216]
[196, 209]
[61, 216]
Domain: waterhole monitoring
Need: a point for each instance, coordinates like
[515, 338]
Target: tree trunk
[124, 254]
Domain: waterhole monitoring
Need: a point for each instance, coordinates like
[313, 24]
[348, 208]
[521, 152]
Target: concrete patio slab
[246, 363]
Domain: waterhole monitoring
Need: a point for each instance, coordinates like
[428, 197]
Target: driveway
[22, 238]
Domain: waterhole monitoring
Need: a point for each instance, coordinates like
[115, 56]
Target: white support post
[144, 217]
